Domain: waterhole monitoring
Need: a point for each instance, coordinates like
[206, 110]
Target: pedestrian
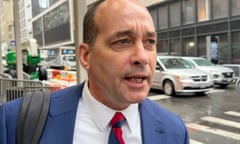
[119, 55]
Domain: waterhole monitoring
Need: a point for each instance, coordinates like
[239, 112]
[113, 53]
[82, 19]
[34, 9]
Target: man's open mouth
[136, 80]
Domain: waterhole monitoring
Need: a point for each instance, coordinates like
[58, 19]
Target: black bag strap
[32, 117]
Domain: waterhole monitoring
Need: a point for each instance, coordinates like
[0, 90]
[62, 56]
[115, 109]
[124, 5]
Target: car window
[176, 63]
[203, 62]
[159, 67]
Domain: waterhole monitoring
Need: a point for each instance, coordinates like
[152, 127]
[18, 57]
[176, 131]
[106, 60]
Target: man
[214, 50]
[119, 54]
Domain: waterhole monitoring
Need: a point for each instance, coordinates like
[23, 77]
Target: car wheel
[13, 73]
[168, 88]
[42, 74]
[223, 85]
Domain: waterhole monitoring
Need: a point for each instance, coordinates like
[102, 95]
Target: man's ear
[84, 55]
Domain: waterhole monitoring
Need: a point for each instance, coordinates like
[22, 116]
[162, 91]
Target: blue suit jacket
[159, 126]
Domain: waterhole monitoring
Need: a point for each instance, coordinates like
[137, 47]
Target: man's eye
[150, 44]
[151, 41]
[122, 41]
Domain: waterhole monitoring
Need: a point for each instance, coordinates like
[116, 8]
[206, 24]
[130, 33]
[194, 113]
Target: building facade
[52, 22]
[193, 27]
[6, 22]
[25, 14]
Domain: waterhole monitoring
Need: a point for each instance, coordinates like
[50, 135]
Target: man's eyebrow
[151, 34]
[122, 33]
[119, 34]
[130, 33]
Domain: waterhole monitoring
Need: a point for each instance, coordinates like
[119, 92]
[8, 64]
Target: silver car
[222, 76]
[174, 75]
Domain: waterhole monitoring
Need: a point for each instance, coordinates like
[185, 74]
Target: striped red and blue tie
[115, 136]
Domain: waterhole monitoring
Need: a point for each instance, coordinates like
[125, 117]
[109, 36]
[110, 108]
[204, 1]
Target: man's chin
[137, 98]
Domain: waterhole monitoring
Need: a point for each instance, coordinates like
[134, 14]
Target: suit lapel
[152, 128]
[62, 115]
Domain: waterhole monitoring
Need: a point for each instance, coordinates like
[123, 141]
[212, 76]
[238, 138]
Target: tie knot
[117, 120]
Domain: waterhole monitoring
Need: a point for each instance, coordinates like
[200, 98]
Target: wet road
[213, 118]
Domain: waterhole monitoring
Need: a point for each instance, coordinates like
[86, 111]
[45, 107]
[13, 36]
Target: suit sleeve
[3, 126]
[186, 136]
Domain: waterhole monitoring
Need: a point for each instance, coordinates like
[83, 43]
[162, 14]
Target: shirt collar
[101, 115]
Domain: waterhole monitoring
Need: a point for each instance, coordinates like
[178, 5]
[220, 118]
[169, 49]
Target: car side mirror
[158, 67]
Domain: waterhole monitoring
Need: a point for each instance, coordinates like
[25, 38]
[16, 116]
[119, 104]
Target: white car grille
[199, 78]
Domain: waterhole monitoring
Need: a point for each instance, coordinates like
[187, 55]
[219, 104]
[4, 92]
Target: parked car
[174, 75]
[222, 76]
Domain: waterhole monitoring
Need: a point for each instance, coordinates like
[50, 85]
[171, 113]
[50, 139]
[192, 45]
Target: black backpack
[32, 117]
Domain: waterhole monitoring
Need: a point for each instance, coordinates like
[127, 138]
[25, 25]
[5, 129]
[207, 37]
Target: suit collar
[62, 114]
[68, 100]
[152, 126]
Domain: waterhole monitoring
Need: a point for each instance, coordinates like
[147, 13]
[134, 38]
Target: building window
[39, 6]
[235, 47]
[189, 47]
[175, 47]
[202, 44]
[188, 11]
[235, 4]
[162, 46]
[153, 13]
[224, 51]
[219, 8]
[163, 17]
[175, 16]
[203, 10]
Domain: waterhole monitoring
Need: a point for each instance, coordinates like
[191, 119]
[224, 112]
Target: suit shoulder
[160, 112]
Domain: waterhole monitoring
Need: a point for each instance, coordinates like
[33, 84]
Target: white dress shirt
[93, 118]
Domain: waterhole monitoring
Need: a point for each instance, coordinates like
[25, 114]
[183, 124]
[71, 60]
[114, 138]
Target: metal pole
[1, 65]
[79, 7]
[17, 39]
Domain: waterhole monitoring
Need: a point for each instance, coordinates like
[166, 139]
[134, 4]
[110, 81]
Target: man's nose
[139, 55]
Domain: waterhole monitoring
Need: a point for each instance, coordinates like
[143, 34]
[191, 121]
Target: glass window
[219, 8]
[176, 63]
[236, 47]
[57, 25]
[38, 31]
[202, 52]
[188, 11]
[163, 17]
[175, 47]
[175, 16]
[235, 7]
[203, 10]
[162, 46]
[189, 48]
[153, 13]
[39, 6]
[224, 51]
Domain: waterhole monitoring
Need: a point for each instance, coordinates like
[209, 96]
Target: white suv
[222, 76]
[175, 75]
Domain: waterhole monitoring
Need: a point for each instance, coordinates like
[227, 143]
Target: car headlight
[180, 77]
[216, 75]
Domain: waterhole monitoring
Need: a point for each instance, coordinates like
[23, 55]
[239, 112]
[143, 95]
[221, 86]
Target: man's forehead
[111, 5]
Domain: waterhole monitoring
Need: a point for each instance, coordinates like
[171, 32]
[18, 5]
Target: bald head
[105, 11]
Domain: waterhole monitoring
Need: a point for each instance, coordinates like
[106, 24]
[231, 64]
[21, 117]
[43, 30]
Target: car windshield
[176, 63]
[203, 62]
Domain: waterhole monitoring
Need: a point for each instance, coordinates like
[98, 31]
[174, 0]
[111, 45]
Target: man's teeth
[137, 80]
